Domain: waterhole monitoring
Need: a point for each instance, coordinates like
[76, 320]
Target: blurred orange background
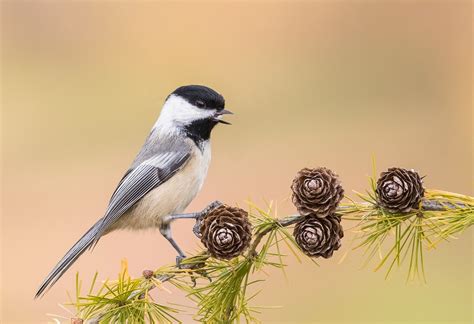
[326, 83]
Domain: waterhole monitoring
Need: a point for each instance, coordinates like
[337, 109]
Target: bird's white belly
[171, 197]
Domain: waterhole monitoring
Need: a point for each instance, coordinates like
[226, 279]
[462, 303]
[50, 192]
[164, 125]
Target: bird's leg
[165, 230]
[186, 216]
[197, 215]
[165, 227]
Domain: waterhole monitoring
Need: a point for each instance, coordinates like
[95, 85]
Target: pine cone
[226, 232]
[399, 190]
[316, 192]
[319, 236]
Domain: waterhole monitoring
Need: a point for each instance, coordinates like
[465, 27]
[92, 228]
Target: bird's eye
[200, 104]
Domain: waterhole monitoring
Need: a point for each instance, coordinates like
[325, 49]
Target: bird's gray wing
[138, 182]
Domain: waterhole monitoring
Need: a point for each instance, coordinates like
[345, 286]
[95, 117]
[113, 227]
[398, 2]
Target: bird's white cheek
[187, 115]
[178, 112]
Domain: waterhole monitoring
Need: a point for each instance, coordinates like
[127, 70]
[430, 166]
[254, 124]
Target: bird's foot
[204, 212]
[196, 267]
[211, 206]
[197, 228]
[179, 259]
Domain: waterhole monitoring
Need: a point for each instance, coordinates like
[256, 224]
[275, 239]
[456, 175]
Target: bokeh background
[329, 83]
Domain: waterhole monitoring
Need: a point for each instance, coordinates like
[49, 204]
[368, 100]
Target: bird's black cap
[201, 96]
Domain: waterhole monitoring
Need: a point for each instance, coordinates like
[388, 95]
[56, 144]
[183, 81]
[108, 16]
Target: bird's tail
[88, 240]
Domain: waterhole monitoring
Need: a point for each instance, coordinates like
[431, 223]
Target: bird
[165, 176]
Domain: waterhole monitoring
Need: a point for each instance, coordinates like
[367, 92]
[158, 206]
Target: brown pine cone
[319, 236]
[316, 192]
[399, 190]
[226, 232]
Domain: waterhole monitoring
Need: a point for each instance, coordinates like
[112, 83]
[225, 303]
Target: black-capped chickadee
[165, 176]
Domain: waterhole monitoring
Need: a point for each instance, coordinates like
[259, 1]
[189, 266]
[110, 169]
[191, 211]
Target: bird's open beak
[218, 116]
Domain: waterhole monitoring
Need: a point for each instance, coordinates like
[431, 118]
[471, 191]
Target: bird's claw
[179, 259]
[197, 227]
[210, 207]
[204, 212]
